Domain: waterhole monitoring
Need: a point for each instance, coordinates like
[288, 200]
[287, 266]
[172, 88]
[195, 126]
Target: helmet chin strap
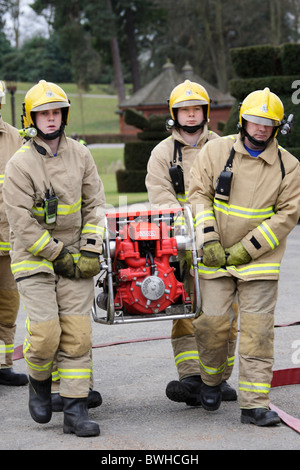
[192, 129]
[53, 135]
[258, 143]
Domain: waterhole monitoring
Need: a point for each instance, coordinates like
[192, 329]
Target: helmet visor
[260, 120]
[182, 104]
[52, 105]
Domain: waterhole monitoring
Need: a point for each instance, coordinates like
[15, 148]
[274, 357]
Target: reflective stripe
[64, 209]
[201, 217]
[186, 356]
[27, 325]
[254, 387]
[268, 235]
[1, 179]
[40, 244]
[230, 361]
[239, 211]
[213, 370]
[249, 270]
[182, 197]
[4, 246]
[202, 269]
[23, 148]
[6, 348]
[264, 268]
[33, 366]
[31, 265]
[55, 376]
[90, 228]
[74, 373]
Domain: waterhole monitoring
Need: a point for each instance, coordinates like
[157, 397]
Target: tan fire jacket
[158, 181]
[262, 209]
[10, 142]
[73, 177]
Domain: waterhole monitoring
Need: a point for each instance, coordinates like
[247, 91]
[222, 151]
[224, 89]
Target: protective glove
[213, 254]
[88, 265]
[63, 264]
[237, 254]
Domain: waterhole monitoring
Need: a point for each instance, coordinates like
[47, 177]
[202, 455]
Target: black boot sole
[262, 422]
[175, 391]
[83, 432]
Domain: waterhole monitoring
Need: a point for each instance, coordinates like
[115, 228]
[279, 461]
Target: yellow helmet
[42, 96]
[2, 93]
[262, 107]
[189, 94]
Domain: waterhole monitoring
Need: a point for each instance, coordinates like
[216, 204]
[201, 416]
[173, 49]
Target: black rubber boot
[228, 392]
[76, 420]
[210, 397]
[40, 400]
[260, 417]
[186, 390]
[10, 377]
[94, 400]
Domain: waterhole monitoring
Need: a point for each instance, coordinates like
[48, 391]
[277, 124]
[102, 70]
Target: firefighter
[10, 142]
[189, 106]
[247, 190]
[55, 203]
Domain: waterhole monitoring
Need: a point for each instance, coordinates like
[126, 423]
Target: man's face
[258, 132]
[49, 121]
[190, 115]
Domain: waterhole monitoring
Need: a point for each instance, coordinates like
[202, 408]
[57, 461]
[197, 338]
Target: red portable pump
[140, 278]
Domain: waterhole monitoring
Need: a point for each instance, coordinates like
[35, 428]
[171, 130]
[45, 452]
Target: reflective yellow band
[74, 373]
[23, 148]
[213, 370]
[230, 361]
[264, 268]
[254, 387]
[4, 246]
[6, 348]
[40, 244]
[55, 376]
[245, 212]
[62, 209]
[268, 235]
[182, 197]
[1, 179]
[186, 356]
[249, 270]
[90, 228]
[202, 217]
[31, 265]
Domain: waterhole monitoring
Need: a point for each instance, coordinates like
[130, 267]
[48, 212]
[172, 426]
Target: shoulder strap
[177, 149]
[281, 164]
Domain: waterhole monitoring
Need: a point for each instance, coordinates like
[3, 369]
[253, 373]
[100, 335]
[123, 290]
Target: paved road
[132, 375]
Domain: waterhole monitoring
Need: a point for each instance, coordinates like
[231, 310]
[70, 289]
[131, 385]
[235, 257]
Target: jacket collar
[203, 136]
[269, 155]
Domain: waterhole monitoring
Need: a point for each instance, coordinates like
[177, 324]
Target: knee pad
[76, 336]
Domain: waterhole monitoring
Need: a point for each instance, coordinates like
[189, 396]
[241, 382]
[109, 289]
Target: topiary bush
[136, 154]
[259, 67]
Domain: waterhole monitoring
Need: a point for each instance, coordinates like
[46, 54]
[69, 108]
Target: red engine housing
[145, 281]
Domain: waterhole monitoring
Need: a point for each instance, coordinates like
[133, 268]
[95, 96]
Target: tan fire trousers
[59, 327]
[257, 301]
[9, 307]
[183, 341]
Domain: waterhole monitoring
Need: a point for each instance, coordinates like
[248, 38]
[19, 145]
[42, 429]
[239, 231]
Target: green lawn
[107, 160]
[88, 115]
